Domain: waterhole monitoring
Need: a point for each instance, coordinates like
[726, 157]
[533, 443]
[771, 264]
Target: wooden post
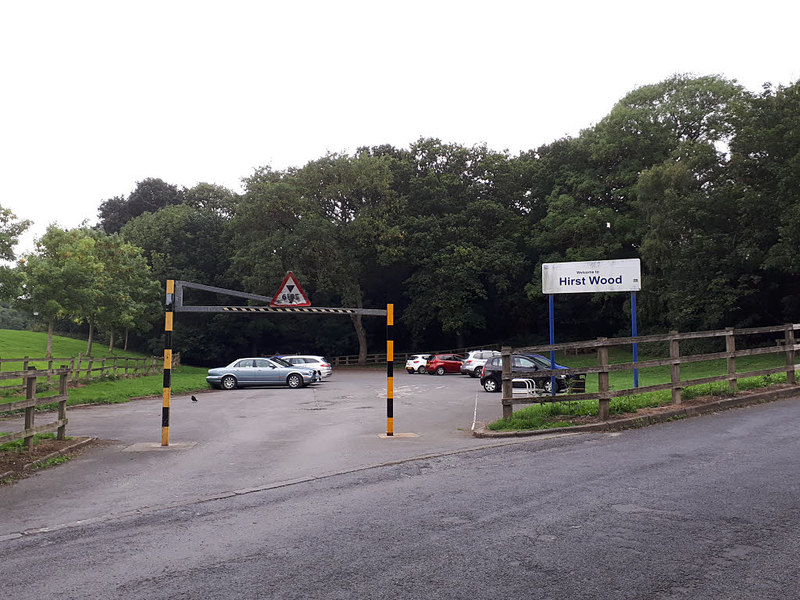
[730, 348]
[62, 404]
[506, 383]
[30, 394]
[89, 369]
[77, 372]
[603, 381]
[675, 370]
[790, 366]
[49, 368]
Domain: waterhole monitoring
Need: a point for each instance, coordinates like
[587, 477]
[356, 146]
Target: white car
[311, 361]
[416, 363]
[473, 365]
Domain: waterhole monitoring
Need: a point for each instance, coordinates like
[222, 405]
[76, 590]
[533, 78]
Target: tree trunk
[91, 335]
[361, 333]
[125, 347]
[49, 353]
[111, 342]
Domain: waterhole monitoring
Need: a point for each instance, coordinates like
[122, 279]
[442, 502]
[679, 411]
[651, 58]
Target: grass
[18, 445]
[19, 344]
[557, 414]
[110, 390]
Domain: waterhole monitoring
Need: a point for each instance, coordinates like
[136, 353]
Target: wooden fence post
[603, 381]
[506, 386]
[730, 348]
[790, 367]
[49, 368]
[89, 369]
[675, 370]
[62, 404]
[76, 374]
[30, 394]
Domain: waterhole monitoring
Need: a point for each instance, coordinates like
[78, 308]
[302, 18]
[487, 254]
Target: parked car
[439, 364]
[311, 361]
[416, 363]
[473, 364]
[260, 371]
[526, 366]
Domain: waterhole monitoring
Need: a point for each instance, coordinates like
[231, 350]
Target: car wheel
[440, 370]
[476, 372]
[228, 382]
[491, 385]
[548, 386]
[421, 370]
[294, 381]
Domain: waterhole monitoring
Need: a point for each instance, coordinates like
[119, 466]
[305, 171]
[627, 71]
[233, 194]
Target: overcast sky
[98, 95]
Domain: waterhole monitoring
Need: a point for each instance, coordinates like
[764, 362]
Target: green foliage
[10, 230]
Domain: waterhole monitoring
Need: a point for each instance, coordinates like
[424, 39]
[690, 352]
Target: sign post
[592, 277]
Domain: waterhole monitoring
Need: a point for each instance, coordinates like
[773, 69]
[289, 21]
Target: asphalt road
[306, 500]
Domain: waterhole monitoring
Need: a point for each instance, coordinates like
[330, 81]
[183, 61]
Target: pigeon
[194, 399]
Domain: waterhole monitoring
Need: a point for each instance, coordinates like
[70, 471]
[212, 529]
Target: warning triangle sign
[290, 293]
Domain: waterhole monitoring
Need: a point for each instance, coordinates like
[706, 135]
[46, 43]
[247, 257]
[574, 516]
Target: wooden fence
[785, 344]
[84, 368]
[400, 358]
[31, 402]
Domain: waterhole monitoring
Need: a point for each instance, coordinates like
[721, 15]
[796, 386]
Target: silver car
[260, 371]
[312, 361]
[473, 364]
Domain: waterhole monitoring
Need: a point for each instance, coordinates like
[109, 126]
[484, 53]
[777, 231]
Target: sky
[99, 95]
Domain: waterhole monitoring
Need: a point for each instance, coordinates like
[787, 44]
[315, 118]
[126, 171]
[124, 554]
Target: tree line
[696, 176]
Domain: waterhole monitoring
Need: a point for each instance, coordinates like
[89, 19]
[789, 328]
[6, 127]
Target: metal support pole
[389, 370]
[635, 345]
[167, 363]
[552, 352]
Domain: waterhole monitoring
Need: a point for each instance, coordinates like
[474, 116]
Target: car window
[524, 361]
[279, 362]
[262, 363]
[244, 363]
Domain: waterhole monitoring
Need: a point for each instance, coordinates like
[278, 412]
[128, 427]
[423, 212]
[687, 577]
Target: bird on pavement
[194, 399]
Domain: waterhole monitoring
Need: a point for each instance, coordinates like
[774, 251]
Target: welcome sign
[592, 276]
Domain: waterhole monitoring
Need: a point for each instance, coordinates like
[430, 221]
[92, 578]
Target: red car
[440, 364]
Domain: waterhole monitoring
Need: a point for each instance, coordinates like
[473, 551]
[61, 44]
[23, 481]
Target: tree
[129, 297]
[324, 222]
[10, 230]
[60, 277]
[150, 195]
[765, 172]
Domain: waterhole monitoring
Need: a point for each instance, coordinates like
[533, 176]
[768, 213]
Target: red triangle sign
[290, 293]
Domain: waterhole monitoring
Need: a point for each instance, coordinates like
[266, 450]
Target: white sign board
[593, 276]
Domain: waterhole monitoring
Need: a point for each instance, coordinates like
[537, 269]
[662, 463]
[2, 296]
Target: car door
[245, 371]
[453, 363]
[274, 373]
[523, 367]
[262, 372]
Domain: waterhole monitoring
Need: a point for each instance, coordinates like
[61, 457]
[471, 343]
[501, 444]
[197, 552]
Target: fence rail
[31, 402]
[84, 368]
[786, 345]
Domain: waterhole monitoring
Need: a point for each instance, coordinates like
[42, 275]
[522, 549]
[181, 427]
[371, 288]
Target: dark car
[525, 366]
[439, 364]
[260, 371]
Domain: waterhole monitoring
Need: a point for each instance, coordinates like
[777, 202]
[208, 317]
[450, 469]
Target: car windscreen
[280, 361]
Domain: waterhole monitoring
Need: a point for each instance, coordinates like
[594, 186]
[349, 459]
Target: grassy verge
[110, 390]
